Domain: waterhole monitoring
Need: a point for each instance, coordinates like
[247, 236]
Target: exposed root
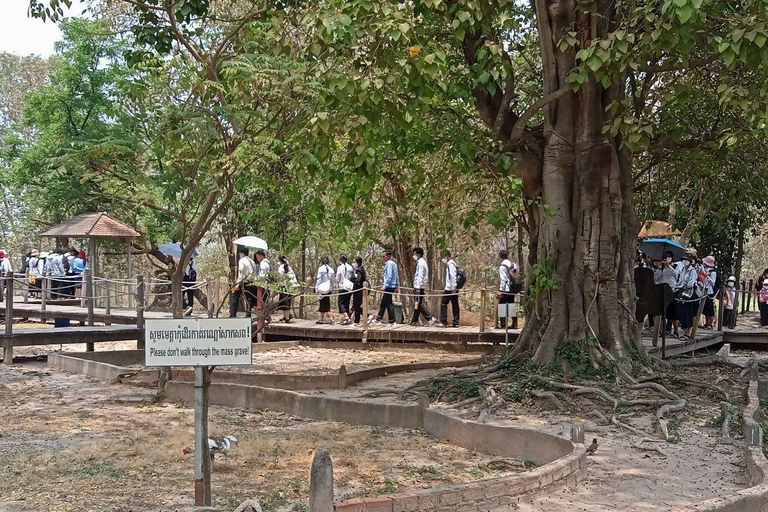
[380, 392]
[468, 401]
[551, 397]
[656, 449]
[597, 414]
[501, 464]
[624, 426]
[705, 385]
[412, 387]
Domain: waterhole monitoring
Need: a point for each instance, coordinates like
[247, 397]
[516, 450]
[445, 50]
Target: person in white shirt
[420, 282]
[55, 268]
[506, 295]
[708, 266]
[246, 272]
[5, 268]
[451, 293]
[730, 298]
[344, 285]
[324, 288]
[685, 286]
[289, 285]
[262, 293]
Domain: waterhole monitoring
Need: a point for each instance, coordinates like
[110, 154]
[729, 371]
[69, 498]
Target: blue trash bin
[61, 322]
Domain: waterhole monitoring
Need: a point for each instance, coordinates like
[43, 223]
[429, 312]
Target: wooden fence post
[210, 299]
[720, 310]
[8, 348]
[26, 286]
[107, 303]
[91, 300]
[365, 312]
[43, 292]
[140, 311]
[482, 310]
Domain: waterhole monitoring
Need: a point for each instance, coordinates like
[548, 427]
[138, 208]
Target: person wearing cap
[711, 286]
[685, 290]
[5, 268]
[730, 297]
[762, 304]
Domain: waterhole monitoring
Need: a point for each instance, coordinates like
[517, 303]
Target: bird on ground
[591, 449]
[216, 445]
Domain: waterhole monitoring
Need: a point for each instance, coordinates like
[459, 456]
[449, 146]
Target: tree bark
[582, 223]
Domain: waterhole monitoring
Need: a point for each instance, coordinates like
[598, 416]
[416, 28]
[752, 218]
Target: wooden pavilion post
[8, 348]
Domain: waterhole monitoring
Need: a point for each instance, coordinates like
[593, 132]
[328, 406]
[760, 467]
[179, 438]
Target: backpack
[718, 284]
[461, 279]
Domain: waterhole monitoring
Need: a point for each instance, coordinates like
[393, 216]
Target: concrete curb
[113, 360]
[755, 498]
[561, 462]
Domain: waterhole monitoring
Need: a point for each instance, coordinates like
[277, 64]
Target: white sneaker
[188, 311]
[352, 325]
[370, 318]
[432, 321]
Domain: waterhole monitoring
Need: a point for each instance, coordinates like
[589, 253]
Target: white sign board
[507, 310]
[198, 342]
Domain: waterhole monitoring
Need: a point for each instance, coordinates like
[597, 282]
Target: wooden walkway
[309, 330]
[77, 313]
[676, 347]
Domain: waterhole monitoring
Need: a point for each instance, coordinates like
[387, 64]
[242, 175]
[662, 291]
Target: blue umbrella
[173, 249]
[656, 247]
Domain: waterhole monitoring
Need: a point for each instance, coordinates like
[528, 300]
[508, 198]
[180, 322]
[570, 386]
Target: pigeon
[593, 447]
[216, 445]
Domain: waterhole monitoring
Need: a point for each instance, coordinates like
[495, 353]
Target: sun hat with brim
[765, 281]
[709, 261]
[35, 252]
[687, 257]
[44, 254]
[731, 279]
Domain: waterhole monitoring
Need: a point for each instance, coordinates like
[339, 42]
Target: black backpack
[718, 284]
[461, 279]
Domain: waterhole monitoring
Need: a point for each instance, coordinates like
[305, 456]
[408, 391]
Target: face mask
[731, 285]
[415, 258]
[686, 263]
[354, 265]
[668, 259]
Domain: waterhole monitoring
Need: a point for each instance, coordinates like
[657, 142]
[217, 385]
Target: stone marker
[725, 351]
[577, 432]
[343, 377]
[321, 483]
[423, 401]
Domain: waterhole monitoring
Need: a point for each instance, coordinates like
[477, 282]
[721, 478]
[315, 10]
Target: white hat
[732, 278]
[44, 254]
[765, 281]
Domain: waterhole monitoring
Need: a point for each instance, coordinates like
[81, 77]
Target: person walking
[262, 272]
[420, 281]
[711, 284]
[187, 287]
[685, 288]
[324, 288]
[390, 287]
[451, 292]
[762, 304]
[730, 298]
[55, 269]
[358, 280]
[506, 295]
[5, 268]
[344, 286]
[33, 279]
[246, 273]
[79, 265]
[289, 284]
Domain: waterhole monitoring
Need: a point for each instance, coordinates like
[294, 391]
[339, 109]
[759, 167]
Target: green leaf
[685, 13]
[345, 20]
[594, 63]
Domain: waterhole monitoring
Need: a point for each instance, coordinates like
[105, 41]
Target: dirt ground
[620, 476]
[84, 438]
[70, 443]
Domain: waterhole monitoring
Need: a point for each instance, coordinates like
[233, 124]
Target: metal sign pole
[200, 440]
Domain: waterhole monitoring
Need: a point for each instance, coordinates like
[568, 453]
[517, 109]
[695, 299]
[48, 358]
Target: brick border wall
[755, 498]
[480, 496]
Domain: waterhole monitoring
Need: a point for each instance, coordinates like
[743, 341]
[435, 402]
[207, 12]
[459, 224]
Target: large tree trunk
[582, 224]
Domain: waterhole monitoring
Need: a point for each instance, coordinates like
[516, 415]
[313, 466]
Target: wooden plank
[70, 335]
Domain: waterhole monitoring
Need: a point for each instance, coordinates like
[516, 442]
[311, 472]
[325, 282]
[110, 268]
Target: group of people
[63, 267]
[692, 281]
[347, 281]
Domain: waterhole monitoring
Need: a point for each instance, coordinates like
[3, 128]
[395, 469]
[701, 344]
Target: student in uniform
[324, 288]
[451, 293]
[344, 277]
[246, 272]
[420, 282]
[358, 280]
[389, 288]
[289, 285]
[188, 281]
[506, 295]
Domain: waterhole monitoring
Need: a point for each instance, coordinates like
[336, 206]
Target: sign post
[203, 343]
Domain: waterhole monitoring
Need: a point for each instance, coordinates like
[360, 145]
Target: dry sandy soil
[84, 439]
[70, 443]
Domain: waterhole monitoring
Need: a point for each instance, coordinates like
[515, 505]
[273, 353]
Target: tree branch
[519, 127]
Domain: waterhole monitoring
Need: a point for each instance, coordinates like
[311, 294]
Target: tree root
[412, 387]
[656, 449]
[705, 385]
[380, 392]
[600, 416]
[727, 413]
[663, 411]
[500, 464]
[621, 425]
[486, 413]
[551, 397]
[468, 401]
